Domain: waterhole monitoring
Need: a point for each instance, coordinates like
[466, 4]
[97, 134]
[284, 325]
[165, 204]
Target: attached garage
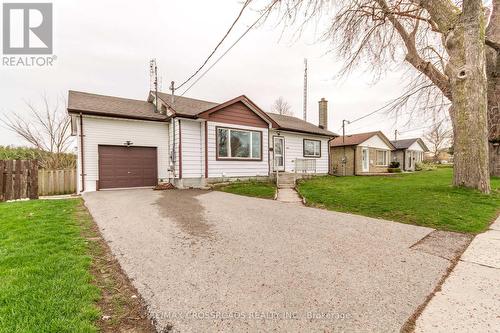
[123, 167]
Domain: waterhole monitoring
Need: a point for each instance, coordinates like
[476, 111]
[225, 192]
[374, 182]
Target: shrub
[394, 165]
[46, 160]
[394, 170]
[419, 166]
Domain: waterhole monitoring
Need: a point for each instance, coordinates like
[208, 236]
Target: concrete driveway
[212, 261]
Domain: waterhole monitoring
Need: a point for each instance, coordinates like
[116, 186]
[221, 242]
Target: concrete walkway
[469, 300]
[288, 195]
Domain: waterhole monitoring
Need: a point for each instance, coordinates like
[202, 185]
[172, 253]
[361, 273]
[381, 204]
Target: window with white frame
[312, 148]
[382, 157]
[238, 144]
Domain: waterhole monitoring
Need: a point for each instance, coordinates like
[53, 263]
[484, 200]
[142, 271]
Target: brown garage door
[127, 167]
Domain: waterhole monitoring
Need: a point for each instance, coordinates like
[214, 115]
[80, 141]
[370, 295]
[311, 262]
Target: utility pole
[395, 135]
[305, 89]
[172, 89]
[153, 80]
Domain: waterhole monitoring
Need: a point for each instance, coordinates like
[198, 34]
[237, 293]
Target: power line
[372, 113]
[229, 49]
[247, 2]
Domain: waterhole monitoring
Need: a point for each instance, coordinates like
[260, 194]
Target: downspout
[180, 150]
[404, 159]
[173, 148]
[330, 171]
[354, 148]
[206, 149]
[82, 154]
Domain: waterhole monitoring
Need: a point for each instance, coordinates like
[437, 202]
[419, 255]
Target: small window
[382, 157]
[312, 148]
[238, 144]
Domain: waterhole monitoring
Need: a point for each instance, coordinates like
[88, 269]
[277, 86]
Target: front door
[366, 160]
[279, 153]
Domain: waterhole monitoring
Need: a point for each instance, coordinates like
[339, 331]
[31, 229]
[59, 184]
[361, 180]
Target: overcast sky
[104, 47]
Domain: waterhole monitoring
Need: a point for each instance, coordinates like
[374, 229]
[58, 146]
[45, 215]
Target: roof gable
[236, 113]
[377, 141]
[240, 99]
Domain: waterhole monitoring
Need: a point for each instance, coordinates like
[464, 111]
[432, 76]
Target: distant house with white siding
[126, 143]
[408, 152]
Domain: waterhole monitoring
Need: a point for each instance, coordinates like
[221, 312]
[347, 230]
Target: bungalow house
[360, 154]
[126, 143]
[444, 156]
[409, 152]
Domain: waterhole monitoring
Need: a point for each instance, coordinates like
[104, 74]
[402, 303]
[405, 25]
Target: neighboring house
[409, 152]
[358, 154]
[128, 143]
[443, 156]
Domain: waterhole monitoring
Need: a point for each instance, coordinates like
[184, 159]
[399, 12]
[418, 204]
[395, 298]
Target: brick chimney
[323, 114]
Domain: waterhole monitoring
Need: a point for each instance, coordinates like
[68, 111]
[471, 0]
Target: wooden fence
[54, 182]
[18, 179]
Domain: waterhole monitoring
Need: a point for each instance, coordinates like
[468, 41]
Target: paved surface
[470, 297]
[288, 195]
[213, 261]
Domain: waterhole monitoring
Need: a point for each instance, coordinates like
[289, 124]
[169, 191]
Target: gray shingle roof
[110, 106]
[297, 124]
[403, 144]
[186, 106]
[406, 143]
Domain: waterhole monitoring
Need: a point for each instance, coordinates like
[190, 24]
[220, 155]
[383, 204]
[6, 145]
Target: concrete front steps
[286, 180]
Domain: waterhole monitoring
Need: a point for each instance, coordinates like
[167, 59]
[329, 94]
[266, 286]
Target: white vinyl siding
[235, 168]
[193, 143]
[174, 148]
[294, 148]
[114, 131]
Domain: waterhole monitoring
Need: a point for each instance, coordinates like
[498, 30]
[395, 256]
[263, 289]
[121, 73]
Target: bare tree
[46, 128]
[438, 136]
[446, 45]
[282, 107]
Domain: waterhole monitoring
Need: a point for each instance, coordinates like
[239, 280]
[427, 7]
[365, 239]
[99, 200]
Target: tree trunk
[467, 73]
[493, 74]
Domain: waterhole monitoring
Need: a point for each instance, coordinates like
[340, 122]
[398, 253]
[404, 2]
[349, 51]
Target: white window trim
[386, 159]
[229, 157]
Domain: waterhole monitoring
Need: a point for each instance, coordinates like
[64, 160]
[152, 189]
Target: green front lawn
[263, 190]
[424, 198]
[45, 283]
